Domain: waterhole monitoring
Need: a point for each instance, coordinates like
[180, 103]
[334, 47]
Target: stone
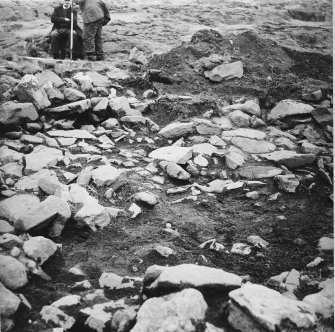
[53, 93]
[13, 273]
[9, 241]
[219, 186]
[57, 317]
[201, 161]
[145, 197]
[239, 118]
[249, 145]
[326, 244]
[217, 141]
[311, 148]
[158, 278]
[225, 72]
[289, 107]
[240, 249]
[110, 123]
[179, 155]
[72, 95]
[321, 305]
[275, 132]
[29, 90]
[254, 195]
[120, 105]
[66, 141]
[290, 159]
[137, 56]
[141, 120]
[124, 319]
[207, 128]
[15, 114]
[105, 175]
[5, 227]
[79, 195]
[256, 122]
[13, 170]
[204, 149]
[49, 76]
[259, 172]
[223, 122]
[276, 281]
[75, 133]
[164, 251]
[47, 178]
[287, 182]
[292, 281]
[234, 159]
[9, 155]
[257, 308]
[101, 106]
[181, 311]
[114, 282]
[174, 170]
[98, 79]
[76, 107]
[285, 143]
[39, 248]
[323, 116]
[244, 132]
[177, 130]
[9, 302]
[257, 241]
[67, 301]
[53, 210]
[250, 106]
[14, 207]
[317, 261]
[93, 215]
[84, 81]
[42, 157]
[31, 139]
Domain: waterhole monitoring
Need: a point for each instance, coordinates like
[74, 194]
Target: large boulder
[12, 114]
[289, 107]
[258, 308]
[180, 312]
[29, 90]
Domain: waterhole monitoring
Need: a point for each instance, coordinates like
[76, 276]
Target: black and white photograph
[166, 166]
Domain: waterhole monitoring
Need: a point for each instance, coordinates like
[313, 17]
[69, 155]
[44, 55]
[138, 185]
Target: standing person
[94, 14]
[61, 31]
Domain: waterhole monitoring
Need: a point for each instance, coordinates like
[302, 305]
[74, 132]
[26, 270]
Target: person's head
[66, 3]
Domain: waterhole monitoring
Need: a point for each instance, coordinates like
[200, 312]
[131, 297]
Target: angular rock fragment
[225, 72]
[57, 317]
[76, 107]
[249, 145]
[12, 114]
[174, 170]
[290, 159]
[323, 116]
[289, 107]
[39, 248]
[258, 308]
[29, 90]
[259, 172]
[145, 197]
[179, 155]
[9, 302]
[49, 76]
[106, 175]
[9, 155]
[239, 118]
[244, 132]
[181, 311]
[287, 182]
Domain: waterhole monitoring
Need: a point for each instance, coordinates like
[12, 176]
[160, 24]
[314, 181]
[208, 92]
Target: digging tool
[71, 31]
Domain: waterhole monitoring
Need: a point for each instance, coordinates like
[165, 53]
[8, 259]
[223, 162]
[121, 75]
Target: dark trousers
[92, 38]
[60, 42]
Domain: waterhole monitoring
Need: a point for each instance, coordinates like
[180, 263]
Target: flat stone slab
[181, 311]
[289, 107]
[182, 276]
[259, 172]
[244, 132]
[225, 72]
[249, 145]
[258, 308]
[75, 133]
[42, 157]
[289, 158]
[106, 175]
[76, 107]
[179, 155]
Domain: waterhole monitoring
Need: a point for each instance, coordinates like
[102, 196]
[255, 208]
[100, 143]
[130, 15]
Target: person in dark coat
[61, 31]
[95, 15]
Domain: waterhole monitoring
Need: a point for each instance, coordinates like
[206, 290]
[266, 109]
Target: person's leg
[55, 44]
[98, 41]
[89, 40]
[67, 42]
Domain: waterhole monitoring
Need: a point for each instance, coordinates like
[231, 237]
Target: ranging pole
[71, 31]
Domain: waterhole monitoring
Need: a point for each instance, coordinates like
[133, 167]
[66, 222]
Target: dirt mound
[271, 72]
